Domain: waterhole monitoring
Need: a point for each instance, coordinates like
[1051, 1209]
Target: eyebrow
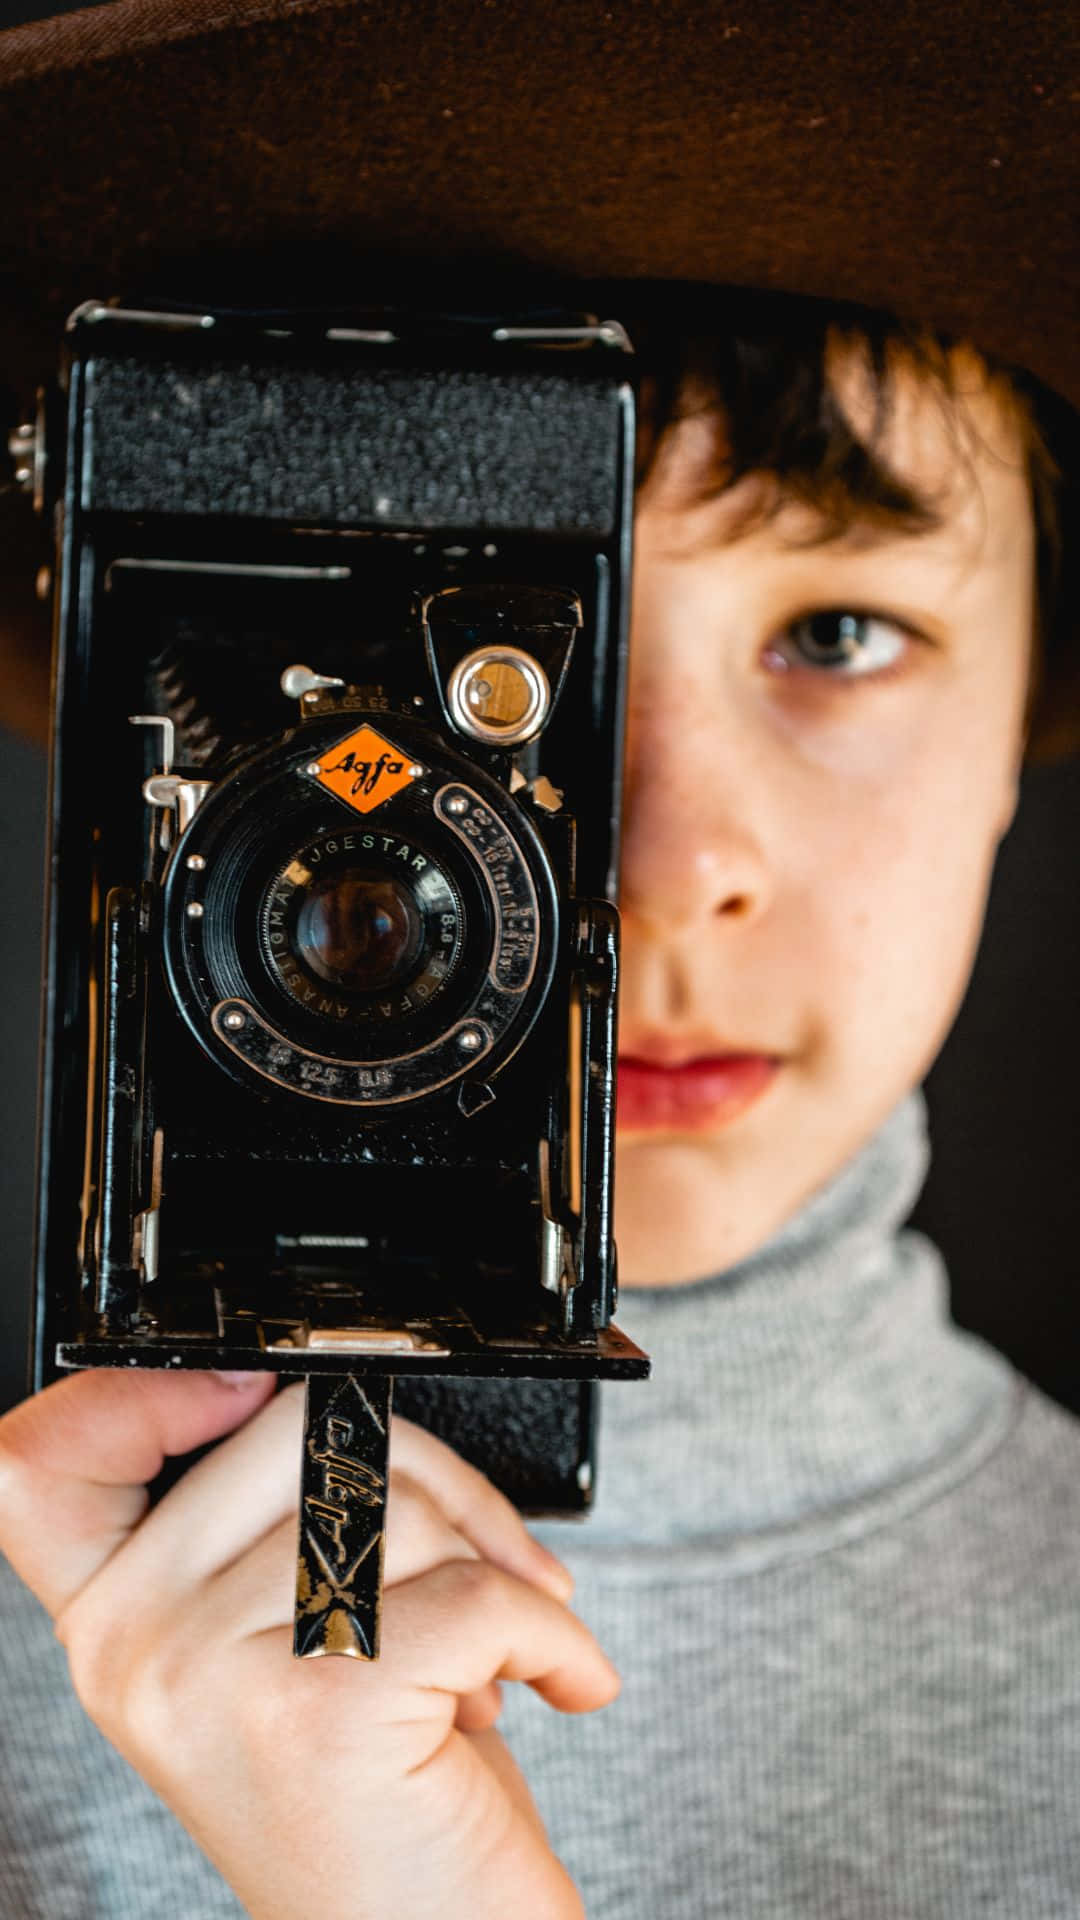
[879, 509]
[901, 509]
[861, 523]
[865, 534]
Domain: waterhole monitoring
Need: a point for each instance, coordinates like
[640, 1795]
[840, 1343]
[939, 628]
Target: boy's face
[807, 847]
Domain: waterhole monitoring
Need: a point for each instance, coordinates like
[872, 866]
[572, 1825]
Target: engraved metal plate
[509, 882]
[364, 769]
[383, 1083]
[342, 1516]
[246, 1031]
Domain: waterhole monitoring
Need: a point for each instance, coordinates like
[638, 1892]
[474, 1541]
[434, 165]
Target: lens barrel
[366, 952]
[363, 926]
[358, 929]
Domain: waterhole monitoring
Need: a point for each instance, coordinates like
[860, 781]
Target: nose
[691, 855]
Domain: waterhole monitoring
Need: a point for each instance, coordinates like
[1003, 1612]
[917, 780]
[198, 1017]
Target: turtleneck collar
[821, 1373]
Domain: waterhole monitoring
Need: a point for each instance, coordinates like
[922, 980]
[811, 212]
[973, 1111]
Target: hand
[333, 1786]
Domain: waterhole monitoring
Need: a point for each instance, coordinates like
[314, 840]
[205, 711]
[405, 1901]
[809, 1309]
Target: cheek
[910, 856]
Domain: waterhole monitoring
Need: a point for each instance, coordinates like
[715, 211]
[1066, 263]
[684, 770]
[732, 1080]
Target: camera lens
[363, 928]
[359, 929]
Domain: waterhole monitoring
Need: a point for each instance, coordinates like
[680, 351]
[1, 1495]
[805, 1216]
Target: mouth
[689, 1096]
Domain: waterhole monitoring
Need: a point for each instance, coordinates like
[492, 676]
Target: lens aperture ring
[363, 927]
[397, 967]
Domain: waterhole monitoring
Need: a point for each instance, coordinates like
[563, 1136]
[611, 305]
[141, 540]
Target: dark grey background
[1003, 1199]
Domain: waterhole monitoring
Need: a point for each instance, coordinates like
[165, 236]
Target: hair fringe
[760, 363]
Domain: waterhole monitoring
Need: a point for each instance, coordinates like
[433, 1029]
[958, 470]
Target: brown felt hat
[915, 155]
[918, 155]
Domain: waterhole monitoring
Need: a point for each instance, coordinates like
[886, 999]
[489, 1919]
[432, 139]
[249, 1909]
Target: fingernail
[236, 1379]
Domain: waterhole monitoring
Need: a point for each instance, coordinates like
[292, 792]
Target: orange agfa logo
[364, 769]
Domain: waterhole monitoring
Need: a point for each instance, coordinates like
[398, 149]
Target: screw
[418, 698]
[194, 910]
[313, 767]
[234, 1020]
[457, 803]
[469, 1039]
[196, 862]
[416, 770]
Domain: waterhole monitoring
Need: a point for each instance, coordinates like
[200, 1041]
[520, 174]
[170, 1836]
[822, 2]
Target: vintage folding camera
[329, 1054]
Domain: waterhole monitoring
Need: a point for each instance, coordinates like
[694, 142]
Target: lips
[694, 1094]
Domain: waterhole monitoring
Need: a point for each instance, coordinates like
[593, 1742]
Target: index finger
[75, 1461]
[475, 1508]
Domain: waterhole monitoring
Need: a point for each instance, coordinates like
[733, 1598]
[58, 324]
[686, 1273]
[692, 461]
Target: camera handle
[343, 1479]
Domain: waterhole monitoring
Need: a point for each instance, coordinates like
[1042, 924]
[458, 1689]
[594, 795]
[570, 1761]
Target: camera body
[329, 1055]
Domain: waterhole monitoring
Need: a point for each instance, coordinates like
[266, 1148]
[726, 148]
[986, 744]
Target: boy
[832, 1556]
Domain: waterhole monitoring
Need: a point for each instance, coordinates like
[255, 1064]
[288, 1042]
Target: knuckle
[404, 1489]
[418, 1444]
[134, 1693]
[478, 1585]
[149, 1722]
[483, 1503]
[11, 1492]
[469, 1497]
[91, 1662]
[15, 1458]
[410, 1511]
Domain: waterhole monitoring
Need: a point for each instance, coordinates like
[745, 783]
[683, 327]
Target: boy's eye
[841, 642]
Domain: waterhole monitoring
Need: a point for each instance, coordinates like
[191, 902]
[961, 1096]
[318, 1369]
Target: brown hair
[763, 362]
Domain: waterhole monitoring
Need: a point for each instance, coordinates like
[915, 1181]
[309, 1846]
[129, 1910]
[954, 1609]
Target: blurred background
[1003, 1198]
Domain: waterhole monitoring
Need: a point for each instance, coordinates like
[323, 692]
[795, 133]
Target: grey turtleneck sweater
[835, 1555]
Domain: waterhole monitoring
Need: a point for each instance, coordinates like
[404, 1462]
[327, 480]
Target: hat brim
[919, 158]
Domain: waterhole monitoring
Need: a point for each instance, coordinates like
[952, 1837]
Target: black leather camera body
[329, 1054]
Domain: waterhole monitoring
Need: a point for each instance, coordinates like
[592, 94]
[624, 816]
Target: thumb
[75, 1461]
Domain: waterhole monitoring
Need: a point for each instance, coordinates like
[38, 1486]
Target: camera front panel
[360, 950]
[240, 1198]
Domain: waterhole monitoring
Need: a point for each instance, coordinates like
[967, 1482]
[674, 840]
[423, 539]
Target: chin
[677, 1219]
